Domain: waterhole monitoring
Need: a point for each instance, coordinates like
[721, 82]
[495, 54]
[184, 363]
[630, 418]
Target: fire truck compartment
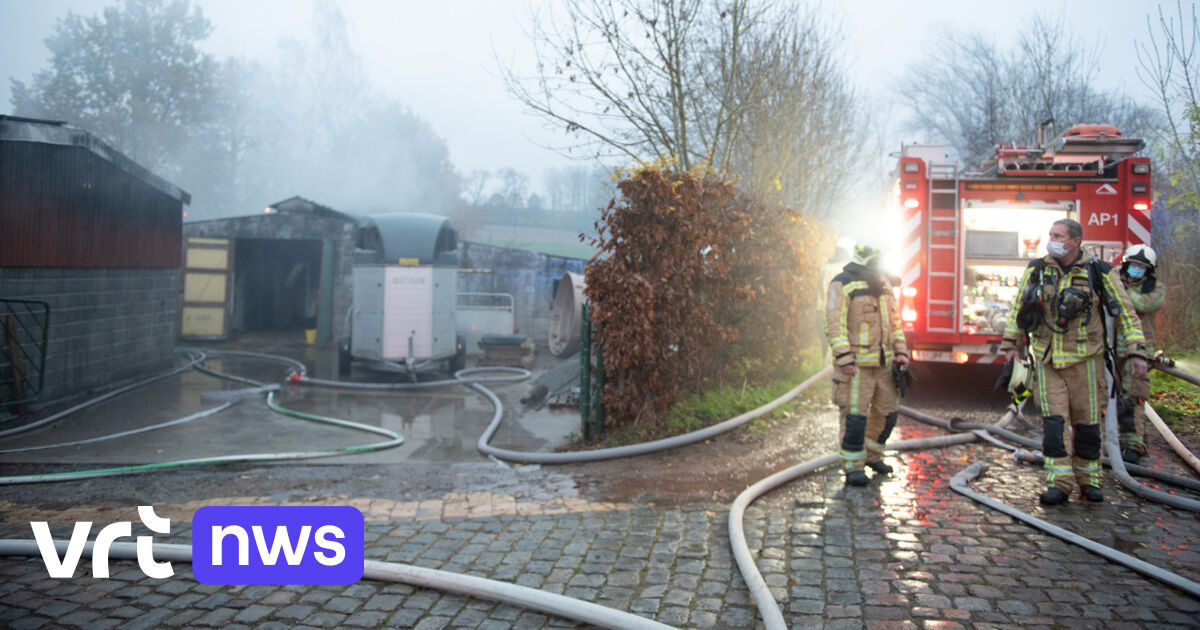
[999, 241]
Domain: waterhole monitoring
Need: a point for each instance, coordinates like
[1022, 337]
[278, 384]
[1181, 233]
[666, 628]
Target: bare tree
[798, 136]
[973, 95]
[514, 187]
[475, 184]
[1170, 66]
[751, 88]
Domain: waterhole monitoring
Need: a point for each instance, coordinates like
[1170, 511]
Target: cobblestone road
[904, 552]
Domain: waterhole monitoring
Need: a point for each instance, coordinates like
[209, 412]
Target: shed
[89, 263]
[284, 269]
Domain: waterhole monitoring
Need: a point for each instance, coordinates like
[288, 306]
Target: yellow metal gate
[207, 288]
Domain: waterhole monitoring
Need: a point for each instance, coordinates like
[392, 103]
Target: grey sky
[437, 57]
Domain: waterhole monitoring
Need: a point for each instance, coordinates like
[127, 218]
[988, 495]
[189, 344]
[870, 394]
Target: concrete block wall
[105, 324]
[296, 226]
[528, 276]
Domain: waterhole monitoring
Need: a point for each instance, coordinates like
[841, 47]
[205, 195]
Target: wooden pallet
[507, 355]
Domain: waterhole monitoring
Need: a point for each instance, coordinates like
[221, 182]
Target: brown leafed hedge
[698, 280]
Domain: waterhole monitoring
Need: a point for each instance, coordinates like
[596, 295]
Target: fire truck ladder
[943, 235]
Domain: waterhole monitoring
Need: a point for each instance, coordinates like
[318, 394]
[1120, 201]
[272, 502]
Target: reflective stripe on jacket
[854, 323]
[1146, 305]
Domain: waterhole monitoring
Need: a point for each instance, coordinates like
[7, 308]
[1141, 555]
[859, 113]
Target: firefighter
[865, 337]
[1059, 318]
[1146, 293]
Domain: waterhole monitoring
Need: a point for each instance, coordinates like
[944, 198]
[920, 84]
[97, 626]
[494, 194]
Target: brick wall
[105, 324]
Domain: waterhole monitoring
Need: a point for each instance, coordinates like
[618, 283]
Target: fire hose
[198, 357]
[507, 593]
[1169, 368]
[1169, 435]
[504, 592]
[468, 585]
[758, 587]
[957, 424]
[959, 483]
[767, 607]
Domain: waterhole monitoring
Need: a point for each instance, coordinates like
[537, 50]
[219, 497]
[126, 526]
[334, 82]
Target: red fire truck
[965, 238]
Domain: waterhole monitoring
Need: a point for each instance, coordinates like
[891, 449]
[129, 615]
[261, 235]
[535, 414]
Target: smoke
[308, 123]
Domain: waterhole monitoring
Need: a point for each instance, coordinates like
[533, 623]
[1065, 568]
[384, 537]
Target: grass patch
[724, 400]
[1177, 401]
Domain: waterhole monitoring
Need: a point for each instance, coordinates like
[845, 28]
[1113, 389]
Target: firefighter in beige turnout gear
[1059, 317]
[1138, 267]
[865, 336]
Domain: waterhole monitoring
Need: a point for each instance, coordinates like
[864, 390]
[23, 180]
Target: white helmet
[1142, 254]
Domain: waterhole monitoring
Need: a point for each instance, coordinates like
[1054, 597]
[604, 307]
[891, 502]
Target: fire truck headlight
[911, 202]
[912, 167]
[1141, 205]
[910, 292]
[908, 315]
[1141, 168]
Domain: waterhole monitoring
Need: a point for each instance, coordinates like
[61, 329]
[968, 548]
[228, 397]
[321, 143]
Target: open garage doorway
[276, 285]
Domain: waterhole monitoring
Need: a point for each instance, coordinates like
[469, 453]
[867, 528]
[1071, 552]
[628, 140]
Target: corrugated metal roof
[291, 205]
[17, 129]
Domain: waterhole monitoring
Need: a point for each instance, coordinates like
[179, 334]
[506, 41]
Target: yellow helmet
[865, 254]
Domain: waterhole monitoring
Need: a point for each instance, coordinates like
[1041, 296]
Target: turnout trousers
[1131, 409]
[1073, 401]
[867, 404]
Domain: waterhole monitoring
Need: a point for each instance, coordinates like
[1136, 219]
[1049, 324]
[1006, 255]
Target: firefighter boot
[1133, 445]
[1087, 461]
[852, 453]
[1056, 462]
[1053, 496]
[880, 468]
[879, 429]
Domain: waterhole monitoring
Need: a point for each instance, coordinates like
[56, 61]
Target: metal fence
[24, 326]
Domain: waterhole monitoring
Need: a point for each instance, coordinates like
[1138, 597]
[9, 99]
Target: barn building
[89, 264]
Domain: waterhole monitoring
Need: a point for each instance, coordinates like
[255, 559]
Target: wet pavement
[644, 534]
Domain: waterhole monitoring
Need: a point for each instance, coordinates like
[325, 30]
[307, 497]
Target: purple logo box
[277, 545]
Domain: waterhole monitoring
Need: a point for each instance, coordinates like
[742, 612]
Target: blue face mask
[1135, 271]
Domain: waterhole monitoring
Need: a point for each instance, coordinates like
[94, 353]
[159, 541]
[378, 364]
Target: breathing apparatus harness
[1069, 304]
